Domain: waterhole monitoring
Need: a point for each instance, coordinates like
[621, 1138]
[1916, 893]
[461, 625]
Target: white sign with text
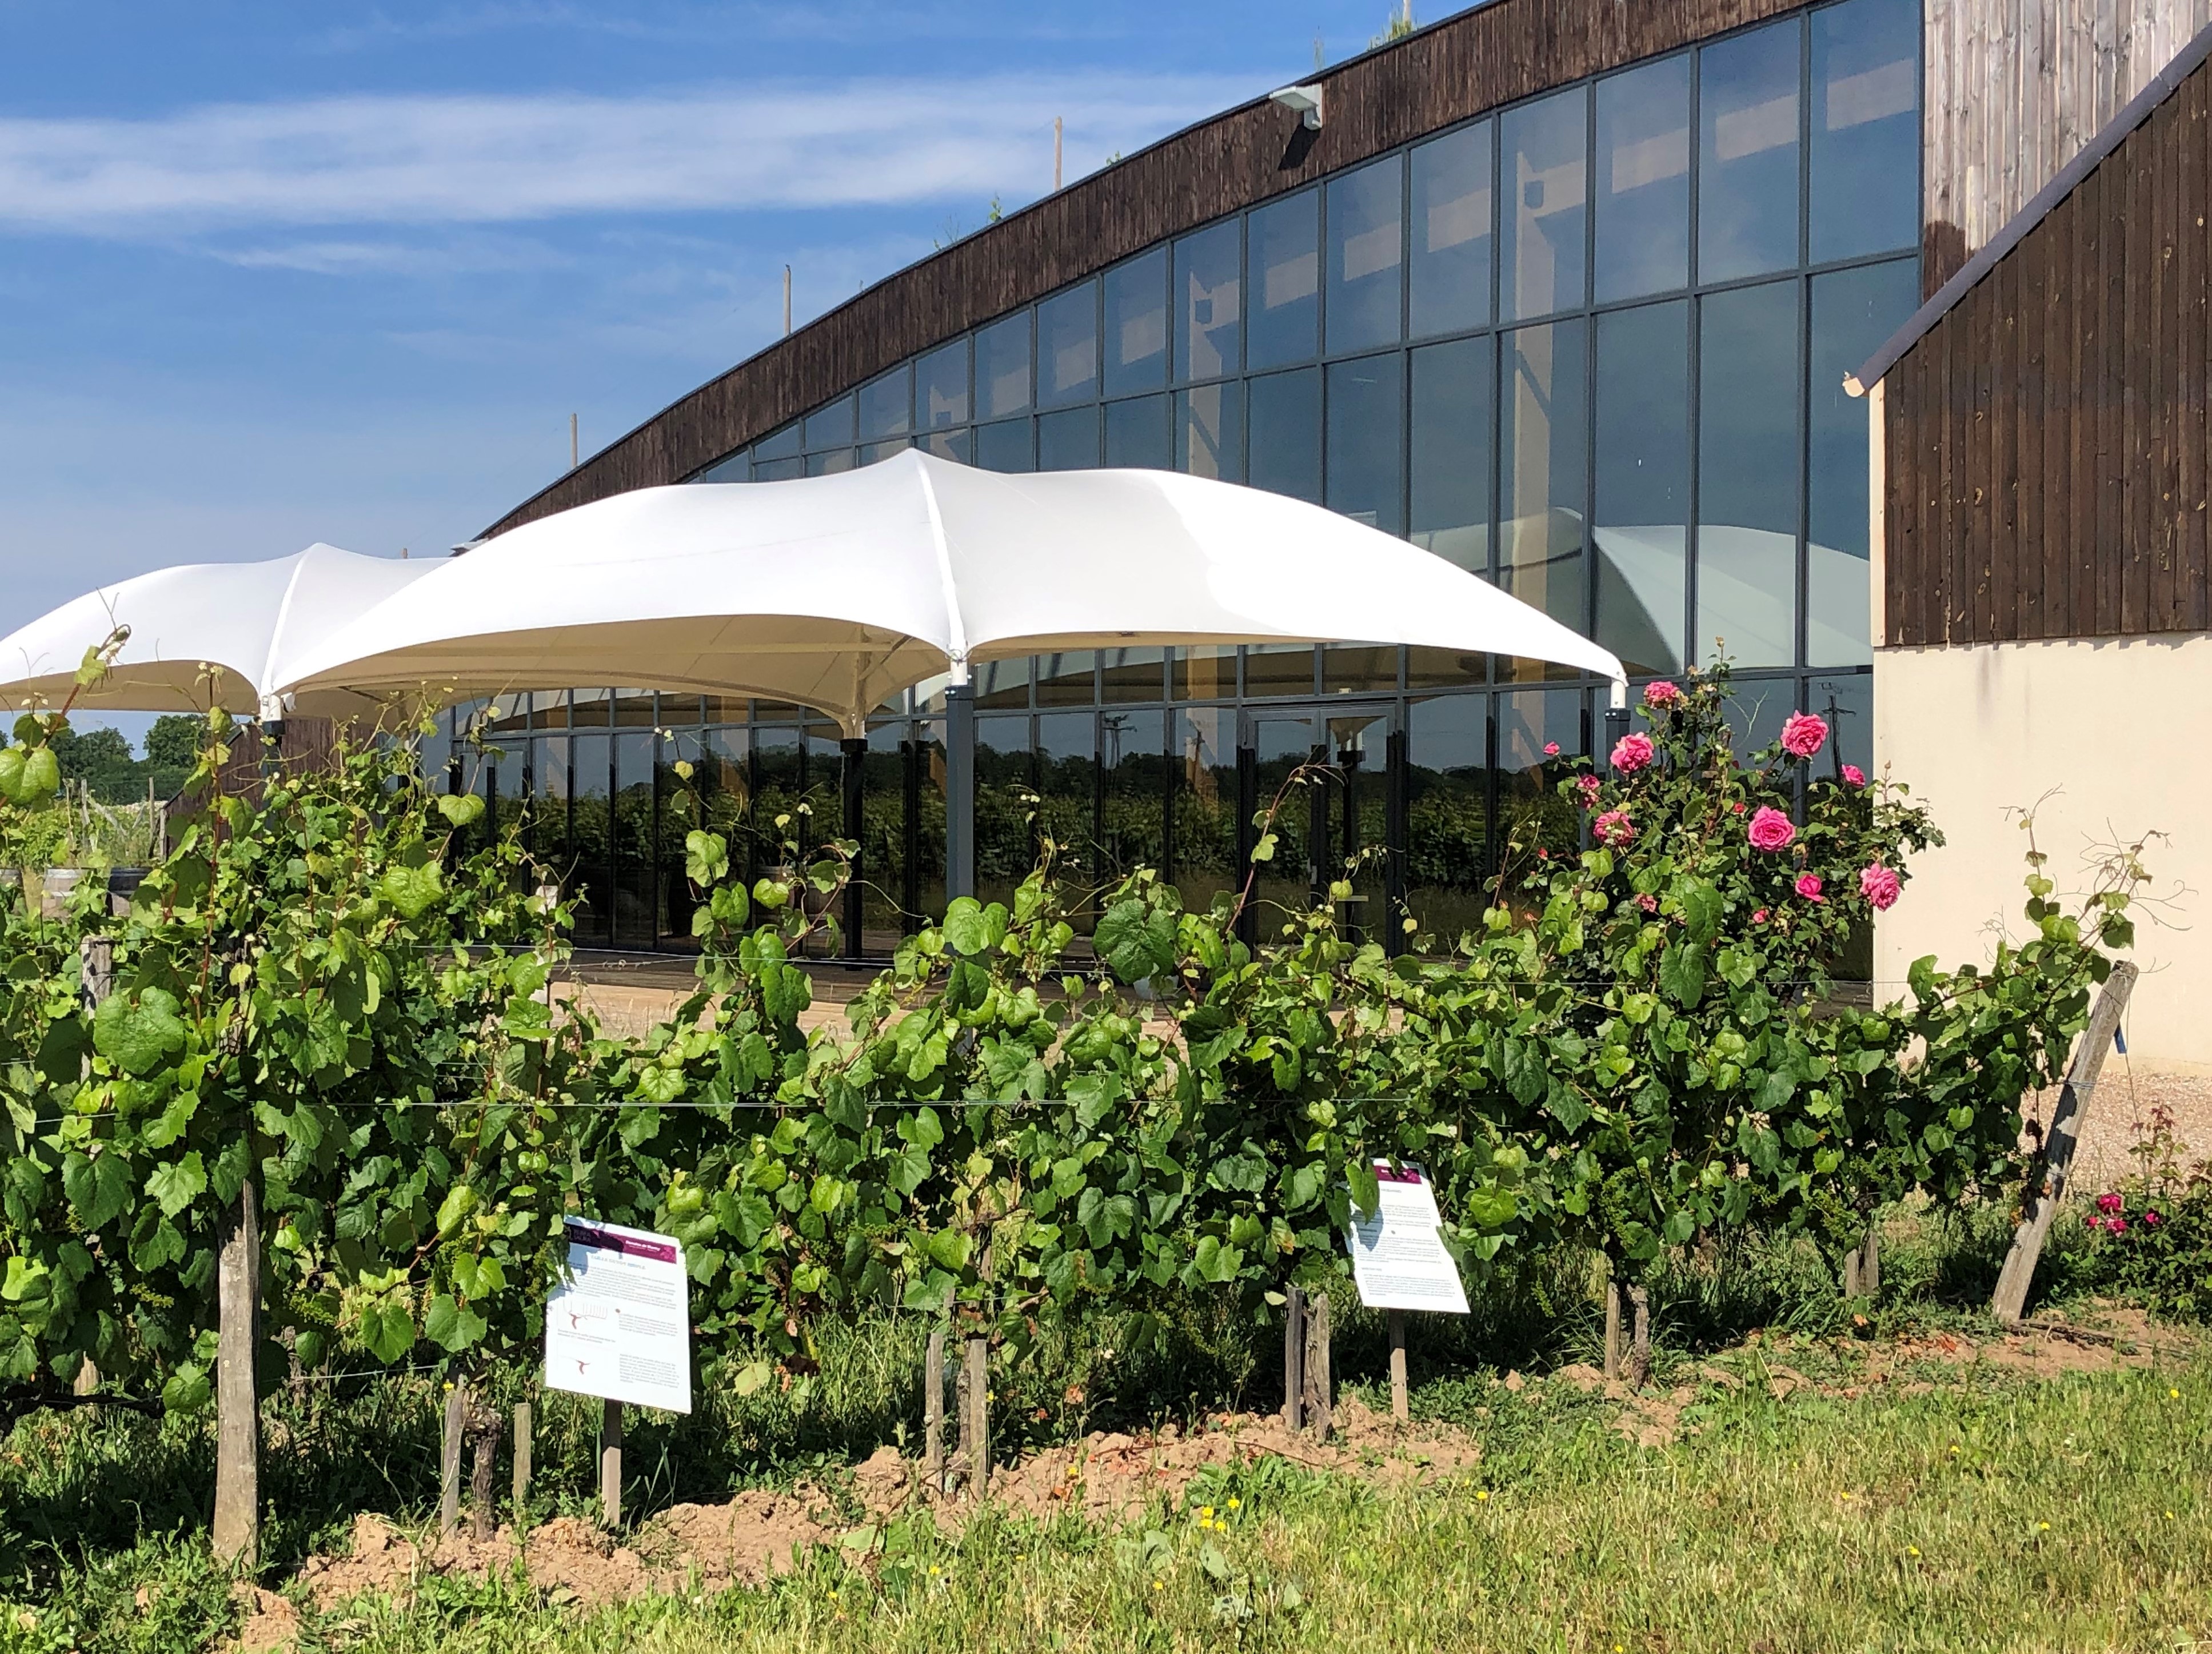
[619, 1326]
[1398, 1257]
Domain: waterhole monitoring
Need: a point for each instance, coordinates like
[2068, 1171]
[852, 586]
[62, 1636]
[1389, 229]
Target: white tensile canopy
[839, 591]
[253, 620]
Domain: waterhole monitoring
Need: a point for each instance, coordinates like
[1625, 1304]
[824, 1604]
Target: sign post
[1399, 1262]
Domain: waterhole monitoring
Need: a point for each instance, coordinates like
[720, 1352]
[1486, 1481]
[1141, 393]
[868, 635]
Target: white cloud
[392, 159]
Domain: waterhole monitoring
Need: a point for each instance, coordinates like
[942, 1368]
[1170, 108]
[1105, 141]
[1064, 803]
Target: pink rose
[1808, 886]
[1758, 917]
[1737, 807]
[1802, 734]
[1662, 694]
[1551, 749]
[2117, 1226]
[2151, 1220]
[1650, 903]
[1879, 885]
[1631, 753]
[1613, 827]
[2108, 1203]
[1587, 786]
[1770, 829]
[1853, 776]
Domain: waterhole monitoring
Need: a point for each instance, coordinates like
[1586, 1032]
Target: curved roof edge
[2162, 86]
[1450, 71]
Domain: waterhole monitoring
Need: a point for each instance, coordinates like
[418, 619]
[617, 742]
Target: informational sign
[619, 1326]
[1398, 1257]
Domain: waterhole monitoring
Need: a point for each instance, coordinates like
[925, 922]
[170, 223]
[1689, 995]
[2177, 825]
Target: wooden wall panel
[1460, 67]
[2047, 442]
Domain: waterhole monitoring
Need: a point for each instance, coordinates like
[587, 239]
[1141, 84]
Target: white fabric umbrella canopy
[839, 591]
[251, 619]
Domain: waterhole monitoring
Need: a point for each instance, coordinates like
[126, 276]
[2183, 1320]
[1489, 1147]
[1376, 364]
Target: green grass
[1894, 1521]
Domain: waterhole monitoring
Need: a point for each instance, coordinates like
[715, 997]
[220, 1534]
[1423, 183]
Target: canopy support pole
[853, 752]
[959, 790]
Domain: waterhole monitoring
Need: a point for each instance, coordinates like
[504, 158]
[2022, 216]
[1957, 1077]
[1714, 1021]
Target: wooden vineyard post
[1613, 1294]
[522, 1445]
[611, 1466]
[1863, 1268]
[932, 1412]
[1294, 1357]
[2047, 1187]
[483, 1432]
[1402, 1407]
[1319, 1402]
[449, 1457]
[236, 1534]
[975, 1426]
[96, 963]
[1640, 1347]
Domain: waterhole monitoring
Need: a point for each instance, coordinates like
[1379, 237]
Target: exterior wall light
[1306, 100]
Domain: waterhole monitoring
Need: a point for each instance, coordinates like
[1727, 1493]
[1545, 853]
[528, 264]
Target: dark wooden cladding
[1476, 61]
[2047, 450]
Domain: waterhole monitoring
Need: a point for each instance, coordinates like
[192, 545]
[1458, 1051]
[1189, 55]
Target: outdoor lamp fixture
[1305, 99]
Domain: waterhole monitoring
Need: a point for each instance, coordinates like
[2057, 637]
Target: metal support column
[959, 790]
[853, 753]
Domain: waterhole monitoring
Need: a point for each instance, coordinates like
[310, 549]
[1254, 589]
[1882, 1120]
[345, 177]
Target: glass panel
[1748, 154]
[1003, 683]
[875, 453]
[1853, 312]
[1358, 827]
[887, 405]
[1010, 445]
[1366, 256]
[1002, 368]
[1448, 812]
[1444, 669]
[1134, 831]
[1067, 347]
[1451, 274]
[1069, 680]
[1359, 668]
[738, 468]
[1132, 674]
[828, 427]
[1367, 440]
[778, 786]
[1542, 453]
[1450, 451]
[1208, 309]
[1209, 432]
[548, 709]
[1642, 465]
[1206, 672]
[1285, 434]
[589, 708]
[940, 387]
[1847, 701]
[724, 784]
[1068, 440]
[1547, 149]
[1756, 710]
[591, 838]
[1137, 433]
[778, 470]
[549, 803]
[725, 709]
[1747, 465]
[1282, 744]
[1644, 180]
[781, 445]
[1205, 809]
[1532, 816]
[958, 445]
[829, 463]
[1067, 796]
[883, 868]
[635, 709]
[1005, 773]
[506, 714]
[1284, 257]
[1137, 324]
[1865, 162]
[1279, 669]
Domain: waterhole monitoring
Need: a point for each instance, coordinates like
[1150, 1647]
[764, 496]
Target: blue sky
[273, 273]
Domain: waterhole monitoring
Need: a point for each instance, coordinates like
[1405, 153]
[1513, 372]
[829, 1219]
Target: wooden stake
[449, 1457]
[96, 965]
[1319, 1401]
[1639, 1357]
[976, 1437]
[1401, 1407]
[1294, 1357]
[933, 1413]
[522, 1446]
[236, 1536]
[1863, 1268]
[2047, 1185]
[611, 1471]
[1612, 1327]
[484, 1426]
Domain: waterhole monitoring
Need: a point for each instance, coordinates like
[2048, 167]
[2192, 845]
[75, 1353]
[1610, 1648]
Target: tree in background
[102, 759]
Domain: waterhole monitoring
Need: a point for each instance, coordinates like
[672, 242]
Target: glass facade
[1588, 347]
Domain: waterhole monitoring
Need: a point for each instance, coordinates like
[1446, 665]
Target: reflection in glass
[1209, 432]
[1748, 153]
[1546, 146]
[1208, 307]
[1444, 669]
[1644, 179]
[1283, 743]
[1002, 368]
[1356, 790]
[1133, 830]
[1448, 812]
[1359, 668]
[951, 445]
[1279, 669]
[1449, 279]
[779, 445]
[827, 427]
[1206, 671]
[1853, 312]
[1137, 433]
[1367, 440]
[1005, 778]
[1543, 468]
[1203, 860]
[1000, 684]
[736, 468]
[589, 708]
[883, 868]
[591, 838]
[887, 405]
[873, 452]
[1132, 674]
[1284, 415]
[1067, 679]
[1068, 440]
[1007, 446]
[1642, 484]
[1067, 347]
[1532, 816]
[1284, 278]
[1450, 455]
[830, 462]
[1747, 465]
[778, 470]
[549, 802]
[1067, 789]
[1756, 710]
[1847, 701]
[1366, 261]
[1137, 324]
[940, 387]
[1865, 162]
